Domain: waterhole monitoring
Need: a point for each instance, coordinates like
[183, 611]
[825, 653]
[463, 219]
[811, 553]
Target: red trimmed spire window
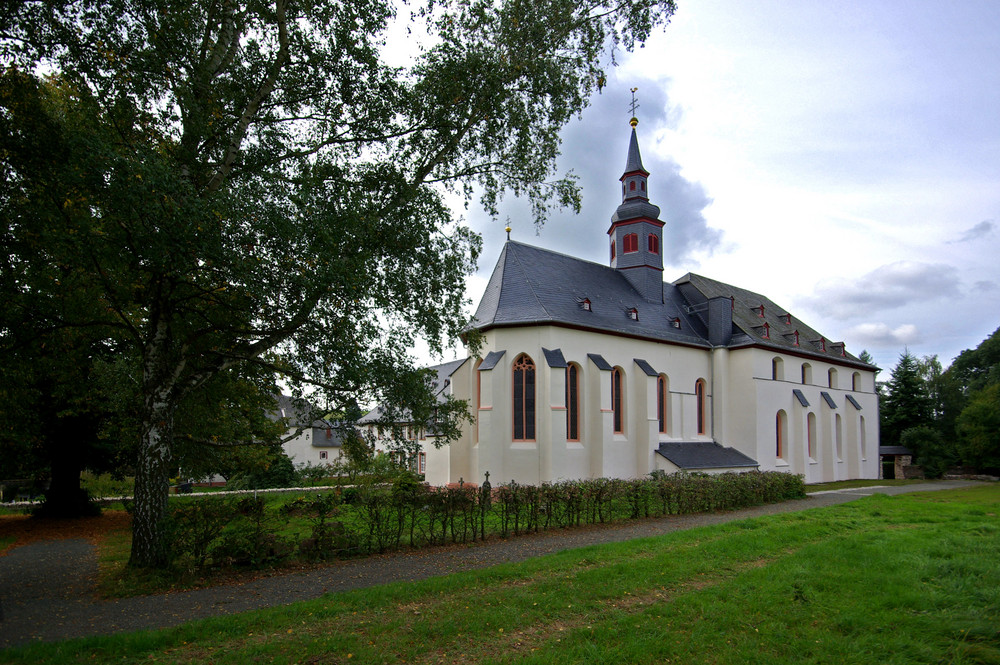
[654, 244]
[613, 249]
[630, 243]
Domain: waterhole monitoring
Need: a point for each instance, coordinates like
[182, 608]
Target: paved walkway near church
[47, 588]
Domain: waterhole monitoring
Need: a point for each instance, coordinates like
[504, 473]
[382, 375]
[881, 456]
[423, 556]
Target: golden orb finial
[507, 229]
[634, 121]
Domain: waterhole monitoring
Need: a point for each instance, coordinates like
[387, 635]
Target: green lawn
[905, 579]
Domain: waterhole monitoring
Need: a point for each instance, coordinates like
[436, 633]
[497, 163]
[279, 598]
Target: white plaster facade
[742, 402]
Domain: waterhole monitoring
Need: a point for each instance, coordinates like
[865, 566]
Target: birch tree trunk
[154, 455]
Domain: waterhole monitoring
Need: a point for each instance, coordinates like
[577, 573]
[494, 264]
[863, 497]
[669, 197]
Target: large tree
[906, 402]
[251, 182]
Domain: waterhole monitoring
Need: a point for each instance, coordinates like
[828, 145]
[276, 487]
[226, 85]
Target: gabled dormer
[636, 232]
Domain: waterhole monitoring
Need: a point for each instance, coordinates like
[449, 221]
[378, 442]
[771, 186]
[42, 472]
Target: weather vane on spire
[634, 121]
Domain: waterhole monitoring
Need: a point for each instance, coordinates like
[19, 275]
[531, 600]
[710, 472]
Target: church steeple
[636, 230]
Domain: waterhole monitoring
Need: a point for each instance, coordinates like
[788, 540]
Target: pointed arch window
[661, 403]
[811, 435]
[780, 434]
[630, 243]
[654, 243]
[572, 403]
[699, 395]
[524, 399]
[617, 402]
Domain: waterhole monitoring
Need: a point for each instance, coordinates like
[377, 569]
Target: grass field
[906, 579]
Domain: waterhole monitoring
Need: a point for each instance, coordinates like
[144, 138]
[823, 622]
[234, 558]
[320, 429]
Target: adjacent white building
[590, 370]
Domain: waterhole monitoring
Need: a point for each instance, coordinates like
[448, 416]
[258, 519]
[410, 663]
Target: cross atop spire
[633, 106]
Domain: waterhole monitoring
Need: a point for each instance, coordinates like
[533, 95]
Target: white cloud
[887, 287]
[880, 334]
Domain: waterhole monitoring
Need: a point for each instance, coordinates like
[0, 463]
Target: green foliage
[931, 452]
[979, 429]
[907, 402]
[387, 513]
[213, 189]
[276, 471]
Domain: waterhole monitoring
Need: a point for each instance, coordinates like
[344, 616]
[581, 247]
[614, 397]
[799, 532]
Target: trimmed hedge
[368, 519]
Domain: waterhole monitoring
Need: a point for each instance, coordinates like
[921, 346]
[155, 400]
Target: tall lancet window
[617, 403]
[572, 403]
[524, 399]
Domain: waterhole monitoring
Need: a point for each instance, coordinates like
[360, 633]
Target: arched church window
[524, 399]
[699, 396]
[661, 403]
[617, 401]
[572, 402]
[780, 434]
[631, 186]
[654, 244]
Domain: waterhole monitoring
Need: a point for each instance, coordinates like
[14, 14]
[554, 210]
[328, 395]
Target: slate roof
[695, 455]
[749, 324]
[299, 414]
[535, 286]
[894, 450]
[531, 285]
[440, 379]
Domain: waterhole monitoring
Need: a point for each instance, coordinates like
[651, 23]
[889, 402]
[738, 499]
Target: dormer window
[788, 319]
[630, 243]
[633, 314]
[675, 322]
[767, 330]
[585, 304]
[760, 311]
[796, 335]
[654, 244]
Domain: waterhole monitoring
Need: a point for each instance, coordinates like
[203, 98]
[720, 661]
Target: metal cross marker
[634, 104]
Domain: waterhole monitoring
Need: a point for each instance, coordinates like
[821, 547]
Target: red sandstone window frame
[617, 401]
[523, 396]
[699, 395]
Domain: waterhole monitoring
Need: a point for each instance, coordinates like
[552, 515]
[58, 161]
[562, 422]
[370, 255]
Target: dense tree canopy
[217, 184]
[946, 416]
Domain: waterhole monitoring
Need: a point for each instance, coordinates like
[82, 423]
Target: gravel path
[47, 588]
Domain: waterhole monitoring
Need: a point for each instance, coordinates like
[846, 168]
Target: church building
[590, 370]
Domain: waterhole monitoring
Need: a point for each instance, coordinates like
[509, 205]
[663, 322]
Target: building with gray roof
[590, 370]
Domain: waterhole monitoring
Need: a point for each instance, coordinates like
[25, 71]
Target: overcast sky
[842, 159]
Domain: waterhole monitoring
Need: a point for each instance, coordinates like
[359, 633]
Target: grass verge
[849, 484]
[906, 579]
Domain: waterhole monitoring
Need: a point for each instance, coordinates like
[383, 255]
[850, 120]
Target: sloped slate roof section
[800, 396]
[704, 455]
[749, 323]
[491, 360]
[645, 367]
[554, 358]
[442, 376]
[599, 361]
[534, 286]
[829, 400]
[854, 402]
